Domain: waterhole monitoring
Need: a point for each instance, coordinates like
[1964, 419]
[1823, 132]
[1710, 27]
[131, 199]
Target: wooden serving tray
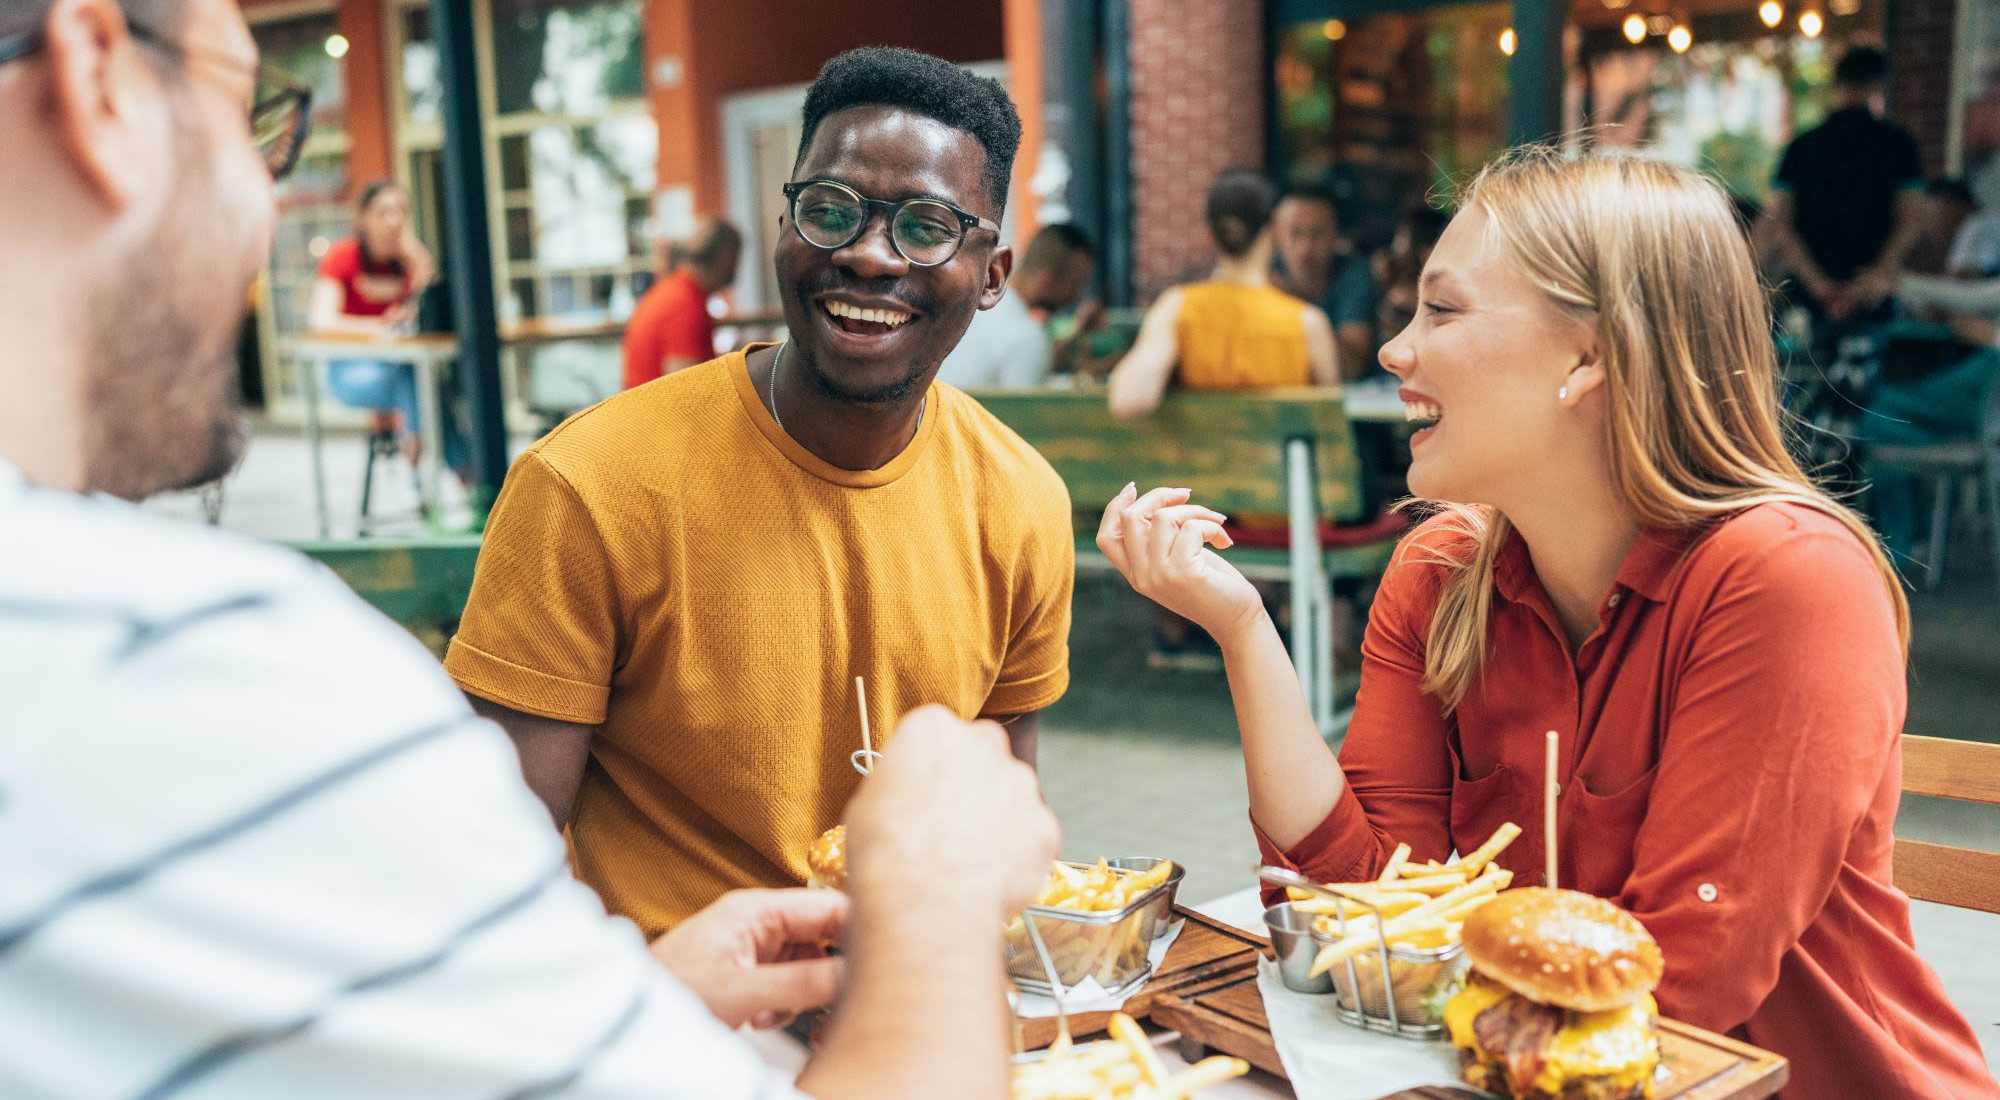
[1206, 951]
[1226, 1014]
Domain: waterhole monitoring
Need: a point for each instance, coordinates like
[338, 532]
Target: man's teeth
[1424, 411]
[894, 318]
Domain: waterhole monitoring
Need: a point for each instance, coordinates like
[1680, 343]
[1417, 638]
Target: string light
[1845, 7]
[1772, 13]
[1333, 29]
[1635, 28]
[1660, 24]
[1680, 38]
[1811, 23]
[336, 46]
[1508, 41]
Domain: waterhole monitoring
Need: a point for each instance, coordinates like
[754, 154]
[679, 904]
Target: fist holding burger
[1559, 1005]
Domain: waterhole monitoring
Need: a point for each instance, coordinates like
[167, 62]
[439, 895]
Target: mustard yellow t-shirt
[1235, 337]
[672, 566]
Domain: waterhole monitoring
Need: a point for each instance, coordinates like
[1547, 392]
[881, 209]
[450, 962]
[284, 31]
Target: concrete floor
[1138, 761]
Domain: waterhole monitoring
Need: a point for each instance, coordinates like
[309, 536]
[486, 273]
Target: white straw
[1549, 809]
[861, 700]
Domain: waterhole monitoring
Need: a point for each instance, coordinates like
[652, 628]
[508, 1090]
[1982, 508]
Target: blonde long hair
[1652, 256]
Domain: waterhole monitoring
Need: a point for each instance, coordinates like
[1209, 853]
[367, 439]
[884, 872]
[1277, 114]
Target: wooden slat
[1226, 446]
[1965, 770]
[1964, 877]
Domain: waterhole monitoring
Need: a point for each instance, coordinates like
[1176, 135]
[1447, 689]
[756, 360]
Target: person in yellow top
[1234, 331]
[679, 586]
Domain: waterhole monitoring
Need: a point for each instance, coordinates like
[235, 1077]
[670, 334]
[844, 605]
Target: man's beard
[161, 386]
[891, 394]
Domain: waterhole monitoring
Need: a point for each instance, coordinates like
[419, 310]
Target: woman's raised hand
[1160, 543]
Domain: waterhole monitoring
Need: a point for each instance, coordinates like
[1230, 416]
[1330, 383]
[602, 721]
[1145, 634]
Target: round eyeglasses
[926, 232]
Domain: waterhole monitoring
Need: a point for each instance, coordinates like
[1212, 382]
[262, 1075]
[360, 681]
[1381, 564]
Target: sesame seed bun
[827, 860]
[1563, 948]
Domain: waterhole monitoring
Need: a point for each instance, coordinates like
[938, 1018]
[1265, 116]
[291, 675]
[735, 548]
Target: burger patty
[1515, 1035]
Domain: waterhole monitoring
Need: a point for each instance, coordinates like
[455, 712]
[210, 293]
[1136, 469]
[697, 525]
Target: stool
[382, 443]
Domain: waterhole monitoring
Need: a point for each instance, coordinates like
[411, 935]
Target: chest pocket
[1599, 829]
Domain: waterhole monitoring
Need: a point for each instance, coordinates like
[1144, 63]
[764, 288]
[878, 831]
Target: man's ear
[96, 90]
[998, 266]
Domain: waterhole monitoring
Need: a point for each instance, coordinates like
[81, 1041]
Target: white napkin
[1088, 995]
[1328, 1058]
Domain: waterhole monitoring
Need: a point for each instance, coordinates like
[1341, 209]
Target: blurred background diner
[606, 175]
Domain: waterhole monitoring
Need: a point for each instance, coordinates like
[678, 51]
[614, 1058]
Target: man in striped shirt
[224, 870]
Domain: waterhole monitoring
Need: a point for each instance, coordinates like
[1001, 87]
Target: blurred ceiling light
[1617, 5]
[1508, 41]
[1811, 23]
[1844, 7]
[318, 247]
[1333, 29]
[1680, 38]
[336, 46]
[1659, 24]
[1771, 12]
[1635, 28]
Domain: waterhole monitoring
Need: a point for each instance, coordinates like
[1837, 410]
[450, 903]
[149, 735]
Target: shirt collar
[1648, 568]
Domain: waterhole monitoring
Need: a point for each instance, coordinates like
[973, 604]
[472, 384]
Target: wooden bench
[1286, 457]
[1965, 771]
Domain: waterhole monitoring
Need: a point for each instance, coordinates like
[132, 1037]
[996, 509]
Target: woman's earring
[1562, 394]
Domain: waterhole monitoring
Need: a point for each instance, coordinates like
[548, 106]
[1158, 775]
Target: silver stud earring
[1562, 394]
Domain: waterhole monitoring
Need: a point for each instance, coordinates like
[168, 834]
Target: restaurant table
[427, 354]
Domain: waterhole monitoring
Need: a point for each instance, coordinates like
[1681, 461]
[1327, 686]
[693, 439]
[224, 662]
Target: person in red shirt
[671, 327]
[1626, 554]
[368, 284]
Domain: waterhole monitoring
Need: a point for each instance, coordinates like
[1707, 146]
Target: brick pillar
[1197, 108]
[1920, 57]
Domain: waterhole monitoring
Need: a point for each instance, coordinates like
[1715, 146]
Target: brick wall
[1197, 108]
[1920, 56]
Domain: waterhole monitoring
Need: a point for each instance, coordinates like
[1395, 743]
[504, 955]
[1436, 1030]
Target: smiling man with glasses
[680, 587]
[227, 873]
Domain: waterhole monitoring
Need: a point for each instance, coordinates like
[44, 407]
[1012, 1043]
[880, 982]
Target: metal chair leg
[1303, 520]
[1945, 485]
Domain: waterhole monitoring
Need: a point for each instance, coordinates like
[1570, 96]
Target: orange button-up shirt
[1729, 767]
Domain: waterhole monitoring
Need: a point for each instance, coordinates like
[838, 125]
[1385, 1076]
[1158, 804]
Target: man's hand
[759, 956]
[948, 810]
[1159, 542]
[1872, 286]
[1979, 331]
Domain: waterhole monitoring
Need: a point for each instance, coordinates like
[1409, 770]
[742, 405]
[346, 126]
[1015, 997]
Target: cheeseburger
[826, 860]
[1559, 1004]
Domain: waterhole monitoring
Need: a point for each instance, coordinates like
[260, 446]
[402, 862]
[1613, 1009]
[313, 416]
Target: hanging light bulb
[1680, 38]
[1508, 41]
[1333, 29]
[1634, 28]
[1844, 7]
[1811, 23]
[336, 46]
[1772, 13]
[1659, 25]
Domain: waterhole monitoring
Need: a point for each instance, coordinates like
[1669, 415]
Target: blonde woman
[1624, 554]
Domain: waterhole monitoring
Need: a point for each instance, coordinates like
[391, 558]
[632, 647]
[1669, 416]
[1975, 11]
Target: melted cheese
[1619, 1044]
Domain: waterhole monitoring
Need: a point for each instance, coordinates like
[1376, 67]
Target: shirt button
[1706, 891]
[1615, 597]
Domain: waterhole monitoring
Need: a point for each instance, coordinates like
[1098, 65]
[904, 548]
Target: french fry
[1127, 1031]
[1436, 884]
[1395, 865]
[1495, 844]
[1208, 1071]
[1332, 955]
[1123, 1068]
[1385, 903]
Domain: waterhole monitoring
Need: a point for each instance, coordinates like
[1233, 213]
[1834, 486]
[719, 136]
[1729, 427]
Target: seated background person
[368, 284]
[1009, 345]
[1234, 331]
[671, 328]
[231, 874]
[1310, 264]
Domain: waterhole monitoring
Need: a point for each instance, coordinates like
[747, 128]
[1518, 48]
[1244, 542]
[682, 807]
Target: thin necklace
[777, 361]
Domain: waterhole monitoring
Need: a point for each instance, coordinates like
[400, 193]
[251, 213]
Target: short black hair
[1311, 192]
[1861, 67]
[889, 76]
[1239, 206]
